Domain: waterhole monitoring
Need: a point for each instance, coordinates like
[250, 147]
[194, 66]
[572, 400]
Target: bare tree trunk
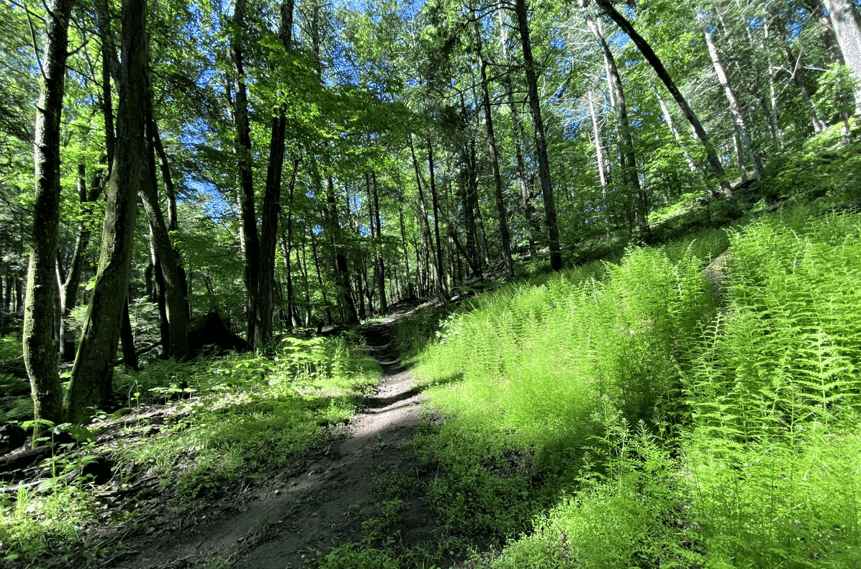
[92, 374]
[661, 71]
[540, 141]
[735, 108]
[40, 349]
[501, 212]
[844, 17]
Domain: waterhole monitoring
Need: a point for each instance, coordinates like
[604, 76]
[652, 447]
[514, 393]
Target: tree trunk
[381, 268]
[662, 74]
[242, 149]
[165, 256]
[734, 106]
[40, 349]
[540, 141]
[342, 270]
[844, 17]
[501, 212]
[440, 272]
[271, 201]
[796, 68]
[127, 339]
[425, 224]
[404, 243]
[628, 158]
[172, 215]
[110, 68]
[69, 288]
[92, 374]
[669, 120]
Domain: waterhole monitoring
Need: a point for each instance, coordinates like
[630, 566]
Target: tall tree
[845, 18]
[520, 11]
[628, 157]
[92, 373]
[737, 112]
[272, 199]
[40, 350]
[242, 149]
[664, 76]
[501, 211]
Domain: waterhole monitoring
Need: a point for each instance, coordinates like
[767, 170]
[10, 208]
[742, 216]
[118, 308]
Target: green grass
[247, 415]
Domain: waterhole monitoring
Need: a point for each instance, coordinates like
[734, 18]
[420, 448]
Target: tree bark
[664, 76]
[40, 349]
[425, 224]
[92, 374]
[796, 68]
[440, 272]
[845, 19]
[272, 201]
[342, 269]
[242, 149]
[628, 158]
[540, 140]
[734, 106]
[501, 212]
[381, 268]
[174, 297]
[69, 288]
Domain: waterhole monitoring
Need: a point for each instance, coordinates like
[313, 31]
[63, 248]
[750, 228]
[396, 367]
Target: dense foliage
[662, 196]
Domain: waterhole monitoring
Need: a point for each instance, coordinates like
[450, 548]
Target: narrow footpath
[284, 523]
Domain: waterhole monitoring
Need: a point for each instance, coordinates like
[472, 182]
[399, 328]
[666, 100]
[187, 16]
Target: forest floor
[297, 514]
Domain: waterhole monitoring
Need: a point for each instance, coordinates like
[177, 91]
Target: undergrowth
[240, 416]
[634, 414]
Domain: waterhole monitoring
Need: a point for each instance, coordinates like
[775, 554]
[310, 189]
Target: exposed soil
[309, 506]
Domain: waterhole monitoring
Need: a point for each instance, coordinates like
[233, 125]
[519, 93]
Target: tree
[661, 72]
[92, 373]
[540, 138]
[40, 349]
[735, 108]
[242, 149]
[272, 199]
[627, 155]
[494, 158]
[845, 18]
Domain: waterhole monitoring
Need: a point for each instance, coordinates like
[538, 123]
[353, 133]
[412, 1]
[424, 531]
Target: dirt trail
[280, 525]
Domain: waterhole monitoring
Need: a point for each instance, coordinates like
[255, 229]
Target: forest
[608, 249]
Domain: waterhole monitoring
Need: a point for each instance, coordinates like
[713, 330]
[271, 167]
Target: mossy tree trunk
[40, 349]
[92, 373]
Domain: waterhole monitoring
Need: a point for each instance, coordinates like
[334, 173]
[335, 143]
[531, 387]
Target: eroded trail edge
[322, 501]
